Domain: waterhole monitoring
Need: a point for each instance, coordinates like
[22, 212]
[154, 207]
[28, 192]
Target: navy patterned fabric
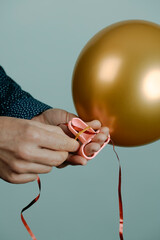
[14, 102]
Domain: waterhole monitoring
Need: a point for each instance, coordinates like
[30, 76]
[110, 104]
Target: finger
[66, 130]
[76, 160]
[21, 167]
[105, 130]
[21, 178]
[57, 142]
[91, 148]
[99, 138]
[47, 157]
[40, 156]
[11, 177]
[63, 165]
[95, 124]
[47, 127]
[62, 116]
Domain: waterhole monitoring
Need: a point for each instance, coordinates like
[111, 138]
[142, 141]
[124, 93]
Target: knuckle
[28, 130]
[15, 166]
[23, 152]
[60, 158]
[19, 151]
[35, 135]
[12, 178]
[31, 133]
[59, 130]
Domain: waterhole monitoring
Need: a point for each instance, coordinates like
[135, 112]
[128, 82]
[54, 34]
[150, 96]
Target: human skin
[32, 147]
[58, 117]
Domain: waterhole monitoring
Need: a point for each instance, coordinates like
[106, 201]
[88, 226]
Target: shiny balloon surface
[116, 79]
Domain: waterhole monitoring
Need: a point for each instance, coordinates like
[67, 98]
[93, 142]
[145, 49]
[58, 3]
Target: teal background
[39, 44]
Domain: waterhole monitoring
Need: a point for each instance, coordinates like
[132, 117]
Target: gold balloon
[116, 79]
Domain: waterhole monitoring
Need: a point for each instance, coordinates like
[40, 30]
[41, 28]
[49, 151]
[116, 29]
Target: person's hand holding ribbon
[29, 148]
[32, 147]
[59, 117]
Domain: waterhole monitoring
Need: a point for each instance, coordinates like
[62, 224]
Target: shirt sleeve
[14, 102]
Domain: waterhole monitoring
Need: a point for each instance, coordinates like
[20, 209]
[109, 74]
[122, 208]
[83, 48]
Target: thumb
[62, 117]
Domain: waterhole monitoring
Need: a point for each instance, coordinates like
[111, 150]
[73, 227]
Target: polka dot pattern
[14, 102]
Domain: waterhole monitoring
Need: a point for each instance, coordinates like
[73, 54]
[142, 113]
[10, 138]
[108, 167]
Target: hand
[59, 117]
[28, 148]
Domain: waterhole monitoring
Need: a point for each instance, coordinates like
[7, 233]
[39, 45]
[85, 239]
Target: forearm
[14, 102]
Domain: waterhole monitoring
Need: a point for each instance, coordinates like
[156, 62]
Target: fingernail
[84, 162]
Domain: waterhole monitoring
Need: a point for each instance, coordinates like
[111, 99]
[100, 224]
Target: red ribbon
[119, 196]
[28, 206]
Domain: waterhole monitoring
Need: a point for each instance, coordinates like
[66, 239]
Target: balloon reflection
[151, 84]
[109, 68]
